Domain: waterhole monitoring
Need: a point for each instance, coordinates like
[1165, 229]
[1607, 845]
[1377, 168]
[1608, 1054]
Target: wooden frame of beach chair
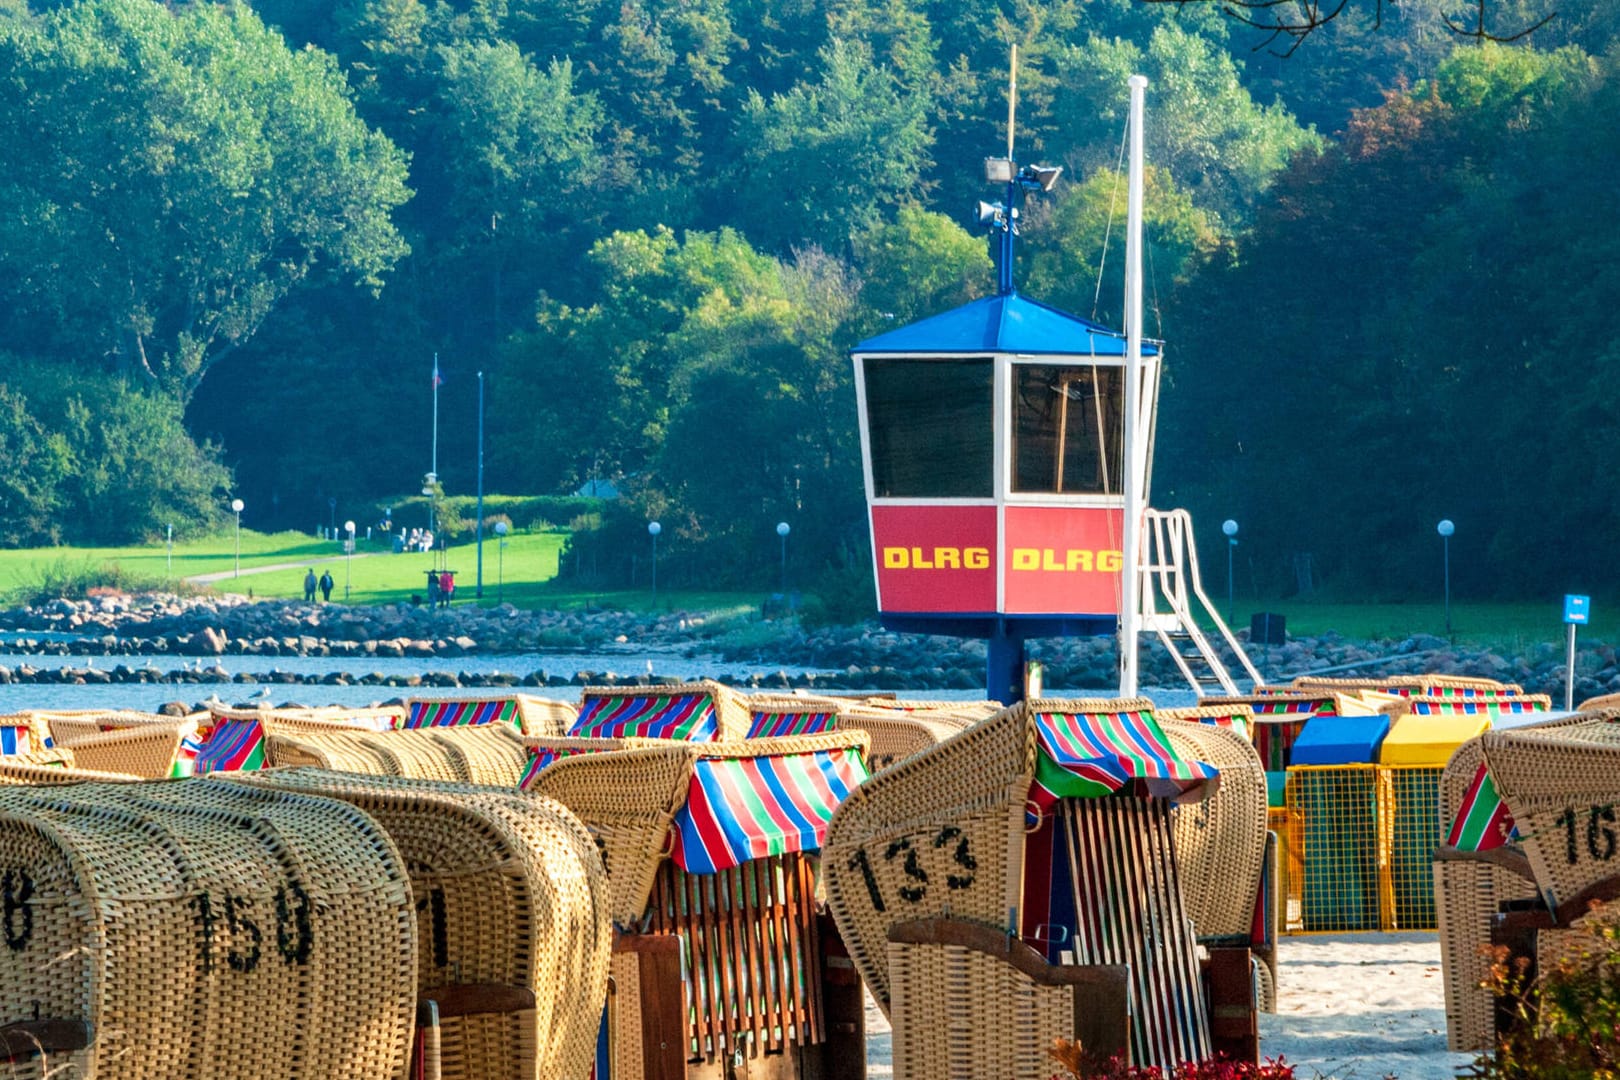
[943, 834]
[201, 932]
[513, 930]
[700, 711]
[754, 951]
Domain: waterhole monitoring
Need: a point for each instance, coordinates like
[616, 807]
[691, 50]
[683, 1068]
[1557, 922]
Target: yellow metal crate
[1415, 830]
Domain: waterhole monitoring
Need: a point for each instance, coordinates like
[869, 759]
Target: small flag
[438, 380]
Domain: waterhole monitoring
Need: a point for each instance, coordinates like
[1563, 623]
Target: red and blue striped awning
[1088, 755]
[425, 714]
[690, 717]
[14, 740]
[739, 809]
[766, 724]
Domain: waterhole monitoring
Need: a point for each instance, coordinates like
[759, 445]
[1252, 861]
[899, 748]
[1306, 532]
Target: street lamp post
[653, 529]
[782, 530]
[1445, 529]
[348, 557]
[501, 528]
[171, 551]
[1230, 528]
[236, 505]
[331, 510]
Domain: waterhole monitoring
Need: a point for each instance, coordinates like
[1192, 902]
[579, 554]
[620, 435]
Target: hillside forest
[240, 243]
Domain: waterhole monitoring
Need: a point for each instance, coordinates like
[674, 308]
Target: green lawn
[520, 574]
[1509, 624]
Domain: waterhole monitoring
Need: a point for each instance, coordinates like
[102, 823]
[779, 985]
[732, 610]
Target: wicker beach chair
[16, 771]
[189, 931]
[945, 834]
[1422, 684]
[513, 927]
[472, 754]
[702, 711]
[708, 853]
[1470, 889]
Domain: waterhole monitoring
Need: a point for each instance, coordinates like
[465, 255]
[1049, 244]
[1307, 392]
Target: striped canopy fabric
[1089, 755]
[768, 724]
[1477, 706]
[426, 714]
[1451, 691]
[1237, 722]
[1274, 741]
[232, 746]
[689, 717]
[540, 757]
[1483, 821]
[14, 740]
[739, 809]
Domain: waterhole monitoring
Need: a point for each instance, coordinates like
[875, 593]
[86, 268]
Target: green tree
[921, 264]
[36, 463]
[824, 160]
[172, 176]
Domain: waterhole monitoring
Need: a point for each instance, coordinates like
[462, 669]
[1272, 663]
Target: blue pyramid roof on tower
[1006, 323]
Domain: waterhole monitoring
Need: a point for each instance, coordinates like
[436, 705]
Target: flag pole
[435, 469]
[479, 591]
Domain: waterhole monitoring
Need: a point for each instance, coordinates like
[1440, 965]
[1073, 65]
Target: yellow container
[1429, 740]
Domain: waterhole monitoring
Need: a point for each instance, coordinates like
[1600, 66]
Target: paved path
[273, 568]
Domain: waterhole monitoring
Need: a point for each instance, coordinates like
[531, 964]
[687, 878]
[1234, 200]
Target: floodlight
[1043, 176]
[998, 170]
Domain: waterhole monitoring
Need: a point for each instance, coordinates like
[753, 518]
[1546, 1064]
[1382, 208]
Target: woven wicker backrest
[971, 711]
[149, 751]
[491, 754]
[1220, 842]
[510, 890]
[14, 771]
[233, 740]
[67, 728]
[1562, 785]
[1406, 683]
[543, 716]
[209, 933]
[698, 711]
[540, 752]
[894, 843]
[627, 798]
[1279, 717]
[896, 735]
[418, 754]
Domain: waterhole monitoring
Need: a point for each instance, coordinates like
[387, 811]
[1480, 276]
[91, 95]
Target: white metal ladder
[1169, 569]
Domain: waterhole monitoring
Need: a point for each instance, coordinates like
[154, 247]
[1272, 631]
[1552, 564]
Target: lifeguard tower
[998, 443]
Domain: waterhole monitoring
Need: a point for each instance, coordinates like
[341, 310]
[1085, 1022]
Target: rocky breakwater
[858, 657]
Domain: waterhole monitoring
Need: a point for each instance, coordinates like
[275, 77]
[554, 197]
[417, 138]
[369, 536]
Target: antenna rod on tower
[1012, 99]
[1130, 602]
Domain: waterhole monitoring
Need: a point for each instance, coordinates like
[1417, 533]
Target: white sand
[1350, 1007]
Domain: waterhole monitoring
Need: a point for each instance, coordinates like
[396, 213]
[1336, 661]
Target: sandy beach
[1350, 1007]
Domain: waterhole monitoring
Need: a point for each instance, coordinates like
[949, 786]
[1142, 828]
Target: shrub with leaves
[1566, 1019]
[1079, 1065]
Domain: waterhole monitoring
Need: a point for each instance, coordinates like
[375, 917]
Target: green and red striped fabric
[1088, 755]
[739, 809]
[540, 757]
[690, 717]
[1483, 821]
[447, 713]
[765, 724]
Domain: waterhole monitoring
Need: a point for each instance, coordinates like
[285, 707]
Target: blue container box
[1340, 740]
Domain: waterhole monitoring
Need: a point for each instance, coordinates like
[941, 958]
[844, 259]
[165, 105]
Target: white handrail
[1170, 561]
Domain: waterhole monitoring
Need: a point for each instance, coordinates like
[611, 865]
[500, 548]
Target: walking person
[326, 586]
[309, 586]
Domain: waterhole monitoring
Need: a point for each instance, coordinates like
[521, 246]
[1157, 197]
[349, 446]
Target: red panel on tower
[935, 558]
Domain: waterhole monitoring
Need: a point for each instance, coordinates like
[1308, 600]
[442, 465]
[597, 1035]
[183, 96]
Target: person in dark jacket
[326, 586]
[309, 586]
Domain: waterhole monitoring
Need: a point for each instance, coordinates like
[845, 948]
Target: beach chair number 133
[907, 852]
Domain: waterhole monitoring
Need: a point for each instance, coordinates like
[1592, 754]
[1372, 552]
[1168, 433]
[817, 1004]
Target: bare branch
[1311, 17]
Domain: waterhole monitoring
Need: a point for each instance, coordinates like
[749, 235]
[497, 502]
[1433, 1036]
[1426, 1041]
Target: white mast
[1130, 601]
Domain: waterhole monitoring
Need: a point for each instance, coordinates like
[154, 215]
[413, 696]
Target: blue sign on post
[1577, 609]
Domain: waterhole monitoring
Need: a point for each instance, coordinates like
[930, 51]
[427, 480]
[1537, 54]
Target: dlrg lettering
[939, 558]
[1072, 560]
